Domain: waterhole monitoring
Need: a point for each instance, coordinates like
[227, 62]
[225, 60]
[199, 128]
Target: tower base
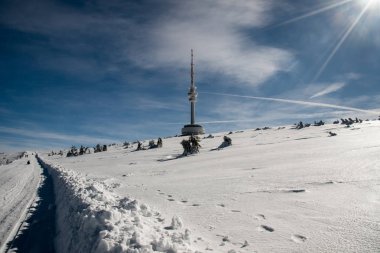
[192, 130]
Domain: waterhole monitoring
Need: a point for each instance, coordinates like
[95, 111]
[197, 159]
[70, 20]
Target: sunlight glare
[344, 37]
[373, 4]
[314, 12]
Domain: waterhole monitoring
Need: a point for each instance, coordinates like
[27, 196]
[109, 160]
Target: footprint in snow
[298, 238]
[296, 190]
[245, 244]
[225, 239]
[284, 191]
[161, 219]
[265, 228]
[115, 185]
[260, 217]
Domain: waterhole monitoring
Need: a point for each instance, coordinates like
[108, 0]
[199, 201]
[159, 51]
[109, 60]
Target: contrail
[226, 121]
[213, 122]
[298, 102]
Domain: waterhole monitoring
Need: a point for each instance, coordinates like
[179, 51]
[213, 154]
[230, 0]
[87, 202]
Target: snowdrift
[92, 218]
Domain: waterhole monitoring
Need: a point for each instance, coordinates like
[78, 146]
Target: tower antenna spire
[192, 69]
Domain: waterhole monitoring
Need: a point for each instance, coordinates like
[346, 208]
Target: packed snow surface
[275, 190]
[18, 187]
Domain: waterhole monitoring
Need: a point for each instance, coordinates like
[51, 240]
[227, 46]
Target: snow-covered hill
[9, 158]
[275, 190]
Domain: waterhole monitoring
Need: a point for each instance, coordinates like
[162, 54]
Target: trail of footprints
[171, 198]
[262, 228]
[225, 239]
[265, 228]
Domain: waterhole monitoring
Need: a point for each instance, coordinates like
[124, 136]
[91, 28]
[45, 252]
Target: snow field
[275, 190]
[92, 218]
[9, 158]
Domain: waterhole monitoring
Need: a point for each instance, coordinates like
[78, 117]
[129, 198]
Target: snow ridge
[92, 218]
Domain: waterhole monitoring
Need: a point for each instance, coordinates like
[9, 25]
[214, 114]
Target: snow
[91, 218]
[18, 188]
[275, 190]
[8, 158]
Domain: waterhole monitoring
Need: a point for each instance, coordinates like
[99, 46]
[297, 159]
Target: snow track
[36, 235]
[91, 218]
[18, 188]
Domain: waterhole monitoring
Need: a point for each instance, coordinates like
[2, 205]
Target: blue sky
[87, 72]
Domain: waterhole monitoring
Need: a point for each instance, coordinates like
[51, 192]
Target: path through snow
[38, 232]
[18, 187]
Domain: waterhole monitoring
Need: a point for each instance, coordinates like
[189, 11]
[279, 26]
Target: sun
[375, 4]
[372, 4]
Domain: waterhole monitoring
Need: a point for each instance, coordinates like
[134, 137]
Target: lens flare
[343, 39]
[313, 13]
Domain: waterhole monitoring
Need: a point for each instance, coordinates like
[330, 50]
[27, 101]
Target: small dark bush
[191, 146]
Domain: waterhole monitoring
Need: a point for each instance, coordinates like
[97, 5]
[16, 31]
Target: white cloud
[353, 76]
[75, 139]
[329, 89]
[214, 30]
[151, 103]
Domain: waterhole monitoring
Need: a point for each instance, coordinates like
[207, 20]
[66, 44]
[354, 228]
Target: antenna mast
[192, 69]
